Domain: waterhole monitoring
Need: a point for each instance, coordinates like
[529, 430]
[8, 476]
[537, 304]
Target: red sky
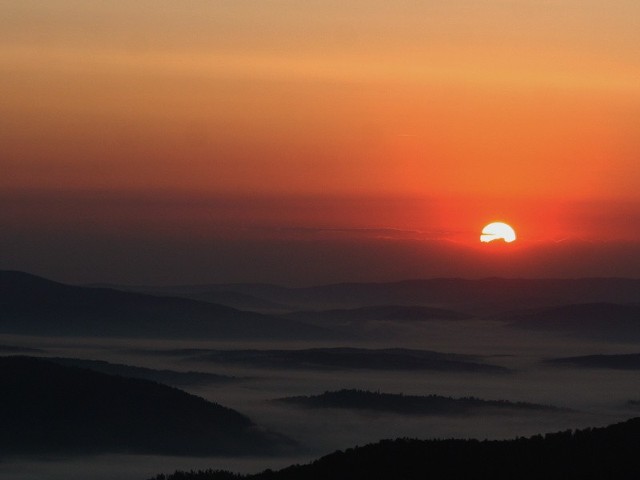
[303, 142]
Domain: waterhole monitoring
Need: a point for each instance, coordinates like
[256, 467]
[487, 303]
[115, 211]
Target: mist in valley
[590, 396]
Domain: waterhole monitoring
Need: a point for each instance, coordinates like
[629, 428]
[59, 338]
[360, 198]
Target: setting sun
[497, 231]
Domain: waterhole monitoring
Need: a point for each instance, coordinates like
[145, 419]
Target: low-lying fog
[598, 396]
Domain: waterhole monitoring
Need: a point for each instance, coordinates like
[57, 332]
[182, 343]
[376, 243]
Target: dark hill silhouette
[233, 299]
[349, 358]
[630, 361]
[33, 305]
[50, 408]
[412, 404]
[237, 300]
[488, 295]
[590, 454]
[606, 321]
[412, 313]
[13, 349]
[169, 377]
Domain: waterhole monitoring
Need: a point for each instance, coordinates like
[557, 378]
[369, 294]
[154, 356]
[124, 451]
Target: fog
[597, 397]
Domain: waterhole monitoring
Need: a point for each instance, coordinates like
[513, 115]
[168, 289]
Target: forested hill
[411, 404]
[599, 453]
[48, 408]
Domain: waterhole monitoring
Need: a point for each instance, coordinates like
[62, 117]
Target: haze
[249, 201]
[159, 143]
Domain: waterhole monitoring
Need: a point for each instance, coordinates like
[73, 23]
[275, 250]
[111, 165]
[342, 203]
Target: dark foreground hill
[592, 454]
[36, 306]
[50, 408]
[413, 404]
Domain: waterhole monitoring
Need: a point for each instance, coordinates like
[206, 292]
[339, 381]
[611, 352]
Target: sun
[498, 231]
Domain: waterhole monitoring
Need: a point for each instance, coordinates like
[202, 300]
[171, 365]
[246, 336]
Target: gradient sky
[309, 141]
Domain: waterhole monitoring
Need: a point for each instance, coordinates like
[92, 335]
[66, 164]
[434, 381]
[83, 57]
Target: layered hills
[625, 361]
[602, 321]
[344, 358]
[169, 377]
[475, 296]
[36, 306]
[384, 313]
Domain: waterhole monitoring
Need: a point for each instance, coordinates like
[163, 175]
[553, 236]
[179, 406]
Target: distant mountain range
[605, 308]
[230, 298]
[482, 296]
[590, 454]
[629, 361]
[344, 359]
[13, 349]
[51, 408]
[412, 404]
[385, 313]
[169, 377]
[36, 306]
[604, 321]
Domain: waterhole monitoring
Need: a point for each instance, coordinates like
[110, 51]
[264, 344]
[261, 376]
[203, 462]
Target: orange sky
[431, 117]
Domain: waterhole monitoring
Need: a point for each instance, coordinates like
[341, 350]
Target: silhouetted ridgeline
[483, 295]
[350, 358]
[602, 321]
[629, 361]
[33, 305]
[13, 349]
[413, 313]
[170, 377]
[411, 404]
[238, 300]
[598, 453]
[50, 408]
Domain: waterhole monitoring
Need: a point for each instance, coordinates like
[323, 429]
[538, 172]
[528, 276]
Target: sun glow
[497, 231]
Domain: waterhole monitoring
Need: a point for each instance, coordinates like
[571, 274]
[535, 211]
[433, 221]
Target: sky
[308, 142]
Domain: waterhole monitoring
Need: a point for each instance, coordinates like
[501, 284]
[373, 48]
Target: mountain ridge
[601, 320]
[483, 295]
[33, 305]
